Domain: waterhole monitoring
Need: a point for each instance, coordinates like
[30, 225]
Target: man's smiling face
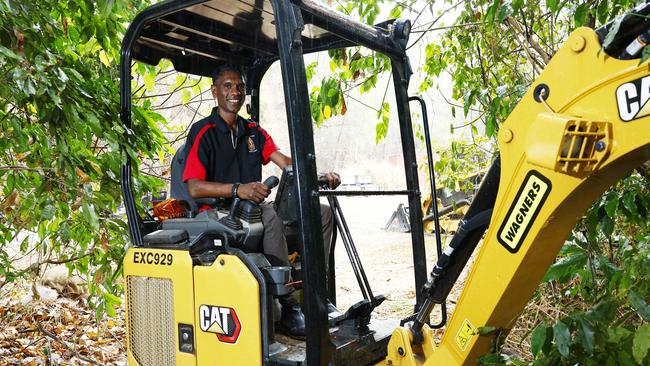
[230, 91]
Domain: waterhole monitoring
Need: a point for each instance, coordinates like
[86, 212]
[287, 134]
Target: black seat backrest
[178, 188]
[286, 206]
[285, 203]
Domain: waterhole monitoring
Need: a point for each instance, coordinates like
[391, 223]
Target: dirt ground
[386, 256]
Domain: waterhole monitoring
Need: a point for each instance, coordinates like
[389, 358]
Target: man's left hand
[333, 179]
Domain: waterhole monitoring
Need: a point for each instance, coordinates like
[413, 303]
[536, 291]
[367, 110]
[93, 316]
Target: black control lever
[230, 220]
[271, 182]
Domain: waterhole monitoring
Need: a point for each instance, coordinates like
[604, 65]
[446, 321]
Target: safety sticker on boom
[632, 99]
[524, 210]
[465, 334]
[222, 321]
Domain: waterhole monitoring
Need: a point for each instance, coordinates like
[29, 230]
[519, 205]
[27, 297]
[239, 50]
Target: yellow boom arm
[557, 156]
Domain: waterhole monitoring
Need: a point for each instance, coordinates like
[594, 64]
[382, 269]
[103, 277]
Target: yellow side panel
[174, 267]
[227, 311]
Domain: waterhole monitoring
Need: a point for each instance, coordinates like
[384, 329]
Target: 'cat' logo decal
[632, 99]
[222, 321]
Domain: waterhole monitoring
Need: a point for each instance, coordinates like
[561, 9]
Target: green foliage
[326, 100]
[368, 10]
[355, 68]
[641, 343]
[350, 69]
[63, 142]
[460, 162]
[382, 126]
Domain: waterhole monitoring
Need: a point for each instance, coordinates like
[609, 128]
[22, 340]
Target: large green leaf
[541, 339]
[587, 333]
[553, 5]
[640, 305]
[566, 266]
[617, 334]
[641, 343]
[562, 338]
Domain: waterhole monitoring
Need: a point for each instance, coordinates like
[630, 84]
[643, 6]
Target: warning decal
[465, 334]
[524, 210]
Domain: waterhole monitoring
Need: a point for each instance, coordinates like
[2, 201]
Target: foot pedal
[359, 312]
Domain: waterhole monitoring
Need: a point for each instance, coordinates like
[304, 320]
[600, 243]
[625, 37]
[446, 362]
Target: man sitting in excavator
[225, 157]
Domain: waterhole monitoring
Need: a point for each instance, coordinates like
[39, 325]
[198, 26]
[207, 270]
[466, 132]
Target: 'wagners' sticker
[524, 210]
[632, 99]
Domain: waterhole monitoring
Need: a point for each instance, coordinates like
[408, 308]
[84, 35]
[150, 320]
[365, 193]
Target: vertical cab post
[401, 75]
[289, 25]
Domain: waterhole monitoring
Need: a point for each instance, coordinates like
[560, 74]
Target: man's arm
[254, 191]
[282, 161]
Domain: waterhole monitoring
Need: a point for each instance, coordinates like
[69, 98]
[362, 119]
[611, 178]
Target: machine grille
[151, 320]
[580, 151]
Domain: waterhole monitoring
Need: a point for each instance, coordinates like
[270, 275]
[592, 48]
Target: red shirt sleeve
[269, 146]
[194, 169]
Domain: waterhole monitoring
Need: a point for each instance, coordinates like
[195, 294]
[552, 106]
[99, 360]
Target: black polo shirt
[213, 158]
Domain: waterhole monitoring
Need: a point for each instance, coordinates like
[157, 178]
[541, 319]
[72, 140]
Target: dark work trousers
[274, 242]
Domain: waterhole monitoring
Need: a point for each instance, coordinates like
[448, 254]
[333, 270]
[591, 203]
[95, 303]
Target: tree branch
[450, 27]
[63, 261]
[434, 22]
[65, 344]
[483, 74]
[536, 64]
[155, 175]
[514, 24]
[19, 167]
[363, 104]
[176, 105]
[179, 88]
[8, 113]
[454, 104]
[175, 90]
[468, 123]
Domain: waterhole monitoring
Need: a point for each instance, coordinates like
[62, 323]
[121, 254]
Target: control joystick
[230, 220]
[271, 182]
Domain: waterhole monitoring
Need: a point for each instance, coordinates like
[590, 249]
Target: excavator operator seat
[178, 188]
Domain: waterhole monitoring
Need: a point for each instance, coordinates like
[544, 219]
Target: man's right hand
[254, 191]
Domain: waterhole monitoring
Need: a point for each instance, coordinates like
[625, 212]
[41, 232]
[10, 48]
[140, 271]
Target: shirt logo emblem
[251, 145]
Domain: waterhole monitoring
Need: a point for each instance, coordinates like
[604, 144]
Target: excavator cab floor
[350, 346]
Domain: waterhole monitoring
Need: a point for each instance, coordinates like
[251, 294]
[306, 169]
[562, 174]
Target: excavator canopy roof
[195, 35]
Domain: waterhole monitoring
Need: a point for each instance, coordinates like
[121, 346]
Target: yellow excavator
[197, 292]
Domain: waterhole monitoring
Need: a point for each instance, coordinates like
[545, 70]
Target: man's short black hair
[225, 68]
